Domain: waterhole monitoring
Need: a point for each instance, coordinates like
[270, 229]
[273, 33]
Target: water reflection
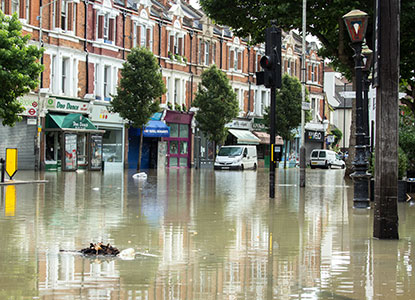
[212, 235]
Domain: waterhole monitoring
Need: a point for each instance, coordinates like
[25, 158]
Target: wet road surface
[198, 234]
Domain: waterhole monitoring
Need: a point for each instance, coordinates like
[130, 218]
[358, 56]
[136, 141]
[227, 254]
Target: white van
[238, 157]
[327, 159]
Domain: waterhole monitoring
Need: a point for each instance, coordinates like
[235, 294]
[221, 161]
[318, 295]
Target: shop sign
[102, 114]
[67, 105]
[239, 124]
[30, 105]
[314, 136]
[259, 125]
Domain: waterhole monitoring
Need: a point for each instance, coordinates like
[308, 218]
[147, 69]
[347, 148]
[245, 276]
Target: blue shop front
[154, 130]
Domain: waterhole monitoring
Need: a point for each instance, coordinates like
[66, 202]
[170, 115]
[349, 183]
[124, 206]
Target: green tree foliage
[287, 107]
[337, 135]
[324, 20]
[217, 104]
[407, 135]
[19, 68]
[140, 86]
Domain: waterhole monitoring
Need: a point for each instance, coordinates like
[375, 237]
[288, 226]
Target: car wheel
[242, 167]
[329, 166]
[255, 166]
[343, 166]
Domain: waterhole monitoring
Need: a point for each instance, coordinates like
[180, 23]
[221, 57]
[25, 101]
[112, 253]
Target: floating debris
[100, 249]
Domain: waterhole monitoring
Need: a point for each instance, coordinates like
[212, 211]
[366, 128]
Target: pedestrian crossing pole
[271, 78]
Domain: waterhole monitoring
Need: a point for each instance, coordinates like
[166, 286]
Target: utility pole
[386, 75]
[303, 81]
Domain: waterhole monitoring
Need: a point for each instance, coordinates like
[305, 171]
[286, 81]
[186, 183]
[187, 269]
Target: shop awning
[156, 129]
[69, 121]
[265, 138]
[244, 136]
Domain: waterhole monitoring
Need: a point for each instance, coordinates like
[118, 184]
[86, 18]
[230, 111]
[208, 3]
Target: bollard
[3, 168]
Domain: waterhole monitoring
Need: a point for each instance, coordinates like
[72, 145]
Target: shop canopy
[244, 136]
[69, 121]
[265, 138]
[156, 129]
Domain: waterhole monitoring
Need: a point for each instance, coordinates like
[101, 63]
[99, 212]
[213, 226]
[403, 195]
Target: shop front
[240, 133]
[179, 144]
[152, 134]
[113, 138]
[71, 141]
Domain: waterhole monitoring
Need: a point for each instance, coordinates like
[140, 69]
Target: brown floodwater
[198, 234]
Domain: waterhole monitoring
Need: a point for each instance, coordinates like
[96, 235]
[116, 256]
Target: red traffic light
[265, 62]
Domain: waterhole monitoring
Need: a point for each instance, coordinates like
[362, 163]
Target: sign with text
[30, 105]
[314, 136]
[67, 105]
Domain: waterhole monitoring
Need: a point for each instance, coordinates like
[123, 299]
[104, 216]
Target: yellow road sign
[11, 161]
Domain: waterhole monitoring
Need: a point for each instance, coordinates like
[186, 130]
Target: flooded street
[198, 234]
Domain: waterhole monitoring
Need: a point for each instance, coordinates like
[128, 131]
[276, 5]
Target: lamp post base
[361, 190]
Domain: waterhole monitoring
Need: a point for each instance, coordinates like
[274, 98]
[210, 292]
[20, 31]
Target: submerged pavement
[198, 234]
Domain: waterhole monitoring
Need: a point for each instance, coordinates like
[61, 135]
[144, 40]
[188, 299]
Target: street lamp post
[367, 61]
[356, 23]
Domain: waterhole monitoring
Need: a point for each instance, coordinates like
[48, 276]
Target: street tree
[217, 104]
[288, 101]
[19, 68]
[141, 85]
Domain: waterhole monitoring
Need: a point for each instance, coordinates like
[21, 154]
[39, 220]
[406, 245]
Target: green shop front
[72, 142]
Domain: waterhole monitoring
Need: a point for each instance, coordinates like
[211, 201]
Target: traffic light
[271, 61]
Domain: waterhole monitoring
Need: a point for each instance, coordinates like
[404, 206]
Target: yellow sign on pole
[10, 203]
[11, 161]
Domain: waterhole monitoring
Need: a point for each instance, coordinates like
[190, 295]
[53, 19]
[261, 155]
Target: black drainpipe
[85, 46]
[124, 14]
[249, 80]
[159, 24]
[41, 58]
[190, 67]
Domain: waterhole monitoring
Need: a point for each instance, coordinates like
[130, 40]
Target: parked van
[238, 157]
[327, 159]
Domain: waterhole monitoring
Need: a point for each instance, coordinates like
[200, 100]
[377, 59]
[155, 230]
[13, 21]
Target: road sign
[11, 161]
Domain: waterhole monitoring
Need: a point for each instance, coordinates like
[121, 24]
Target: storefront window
[184, 131]
[174, 130]
[173, 147]
[112, 145]
[173, 161]
[81, 149]
[183, 147]
[183, 161]
[70, 161]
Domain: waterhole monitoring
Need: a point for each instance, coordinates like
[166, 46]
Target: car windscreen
[230, 151]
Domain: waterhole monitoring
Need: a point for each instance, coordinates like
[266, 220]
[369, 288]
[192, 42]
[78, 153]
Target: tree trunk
[387, 93]
[140, 149]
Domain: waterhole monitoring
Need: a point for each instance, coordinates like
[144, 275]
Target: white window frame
[207, 46]
[53, 69]
[106, 81]
[15, 7]
[65, 76]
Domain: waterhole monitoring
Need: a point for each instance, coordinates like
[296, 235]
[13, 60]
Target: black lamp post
[367, 62]
[356, 23]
